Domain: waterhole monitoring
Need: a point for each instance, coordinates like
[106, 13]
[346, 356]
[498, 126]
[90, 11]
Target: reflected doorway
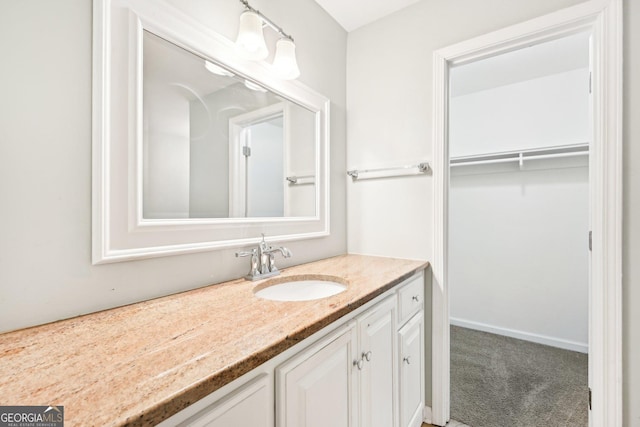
[258, 150]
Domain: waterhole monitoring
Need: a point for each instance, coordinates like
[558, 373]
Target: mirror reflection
[218, 146]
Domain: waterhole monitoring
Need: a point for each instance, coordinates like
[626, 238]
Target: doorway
[604, 20]
[519, 135]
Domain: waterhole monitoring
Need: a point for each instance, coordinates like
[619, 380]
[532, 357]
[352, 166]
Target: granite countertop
[141, 363]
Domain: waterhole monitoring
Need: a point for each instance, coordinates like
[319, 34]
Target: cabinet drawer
[410, 298]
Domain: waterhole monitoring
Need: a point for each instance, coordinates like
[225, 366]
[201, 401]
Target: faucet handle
[253, 253]
[246, 253]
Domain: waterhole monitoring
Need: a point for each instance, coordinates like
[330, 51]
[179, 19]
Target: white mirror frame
[120, 232]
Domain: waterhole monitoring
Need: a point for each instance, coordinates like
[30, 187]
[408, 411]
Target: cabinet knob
[367, 356]
[416, 298]
[407, 360]
[358, 364]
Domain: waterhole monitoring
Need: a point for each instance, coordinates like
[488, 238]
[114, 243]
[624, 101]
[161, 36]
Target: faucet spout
[286, 253]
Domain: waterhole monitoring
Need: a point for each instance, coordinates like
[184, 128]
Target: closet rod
[521, 156]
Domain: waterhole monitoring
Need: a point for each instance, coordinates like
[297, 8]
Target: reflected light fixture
[253, 86]
[216, 69]
[250, 43]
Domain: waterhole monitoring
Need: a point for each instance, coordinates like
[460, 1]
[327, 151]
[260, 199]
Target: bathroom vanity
[221, 356]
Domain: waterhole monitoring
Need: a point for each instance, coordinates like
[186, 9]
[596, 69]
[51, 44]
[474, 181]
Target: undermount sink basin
[301, 288]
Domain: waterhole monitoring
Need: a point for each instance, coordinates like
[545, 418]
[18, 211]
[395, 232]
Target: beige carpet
[498, 381]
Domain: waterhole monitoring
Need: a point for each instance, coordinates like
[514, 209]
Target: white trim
[522, 335]
[426, 415]
[440, 360]
[604, 19]
[605, 321]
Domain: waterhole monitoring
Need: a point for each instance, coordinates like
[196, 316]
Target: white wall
[166, 137]
[45, 160]
[389, 78]
[166, 153]
[518, 257]
[543, 112]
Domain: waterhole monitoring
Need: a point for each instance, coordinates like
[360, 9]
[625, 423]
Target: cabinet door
[377, 333]
[250, 405]
[316, 388]
[410, 297]
[411, 338]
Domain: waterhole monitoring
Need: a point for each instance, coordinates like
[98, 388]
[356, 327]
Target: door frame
[604, 19]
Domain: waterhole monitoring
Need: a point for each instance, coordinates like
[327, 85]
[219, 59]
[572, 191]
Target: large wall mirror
[194, 148]
[219, 146]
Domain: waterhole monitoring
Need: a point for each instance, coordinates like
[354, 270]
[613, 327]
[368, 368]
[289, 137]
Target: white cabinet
[377, 379]
[348, 379]
[368, 371]
[411, 355]
[249, 405]
[316, 387]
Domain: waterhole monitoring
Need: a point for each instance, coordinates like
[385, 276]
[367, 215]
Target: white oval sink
[300, 289]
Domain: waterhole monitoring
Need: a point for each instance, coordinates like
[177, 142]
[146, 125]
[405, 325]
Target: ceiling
[553, 57]
[352, 14]
[544, 59]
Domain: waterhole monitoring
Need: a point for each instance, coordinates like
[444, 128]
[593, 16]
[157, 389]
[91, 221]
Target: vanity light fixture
[250, 43]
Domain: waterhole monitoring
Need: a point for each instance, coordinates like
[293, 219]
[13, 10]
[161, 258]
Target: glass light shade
[284, 62]
[253, 86]
[216, 69]
[250, 42]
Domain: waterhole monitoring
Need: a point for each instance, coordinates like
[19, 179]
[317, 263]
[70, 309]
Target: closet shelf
[521, 156]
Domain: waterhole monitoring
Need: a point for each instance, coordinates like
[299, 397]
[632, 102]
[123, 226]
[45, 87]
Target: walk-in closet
[519, 133]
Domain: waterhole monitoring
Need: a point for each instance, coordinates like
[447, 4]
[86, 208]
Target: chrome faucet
[263, 260]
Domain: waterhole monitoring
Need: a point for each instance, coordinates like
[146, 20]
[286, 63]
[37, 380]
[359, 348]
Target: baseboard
[526, 336]
[426, 415]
